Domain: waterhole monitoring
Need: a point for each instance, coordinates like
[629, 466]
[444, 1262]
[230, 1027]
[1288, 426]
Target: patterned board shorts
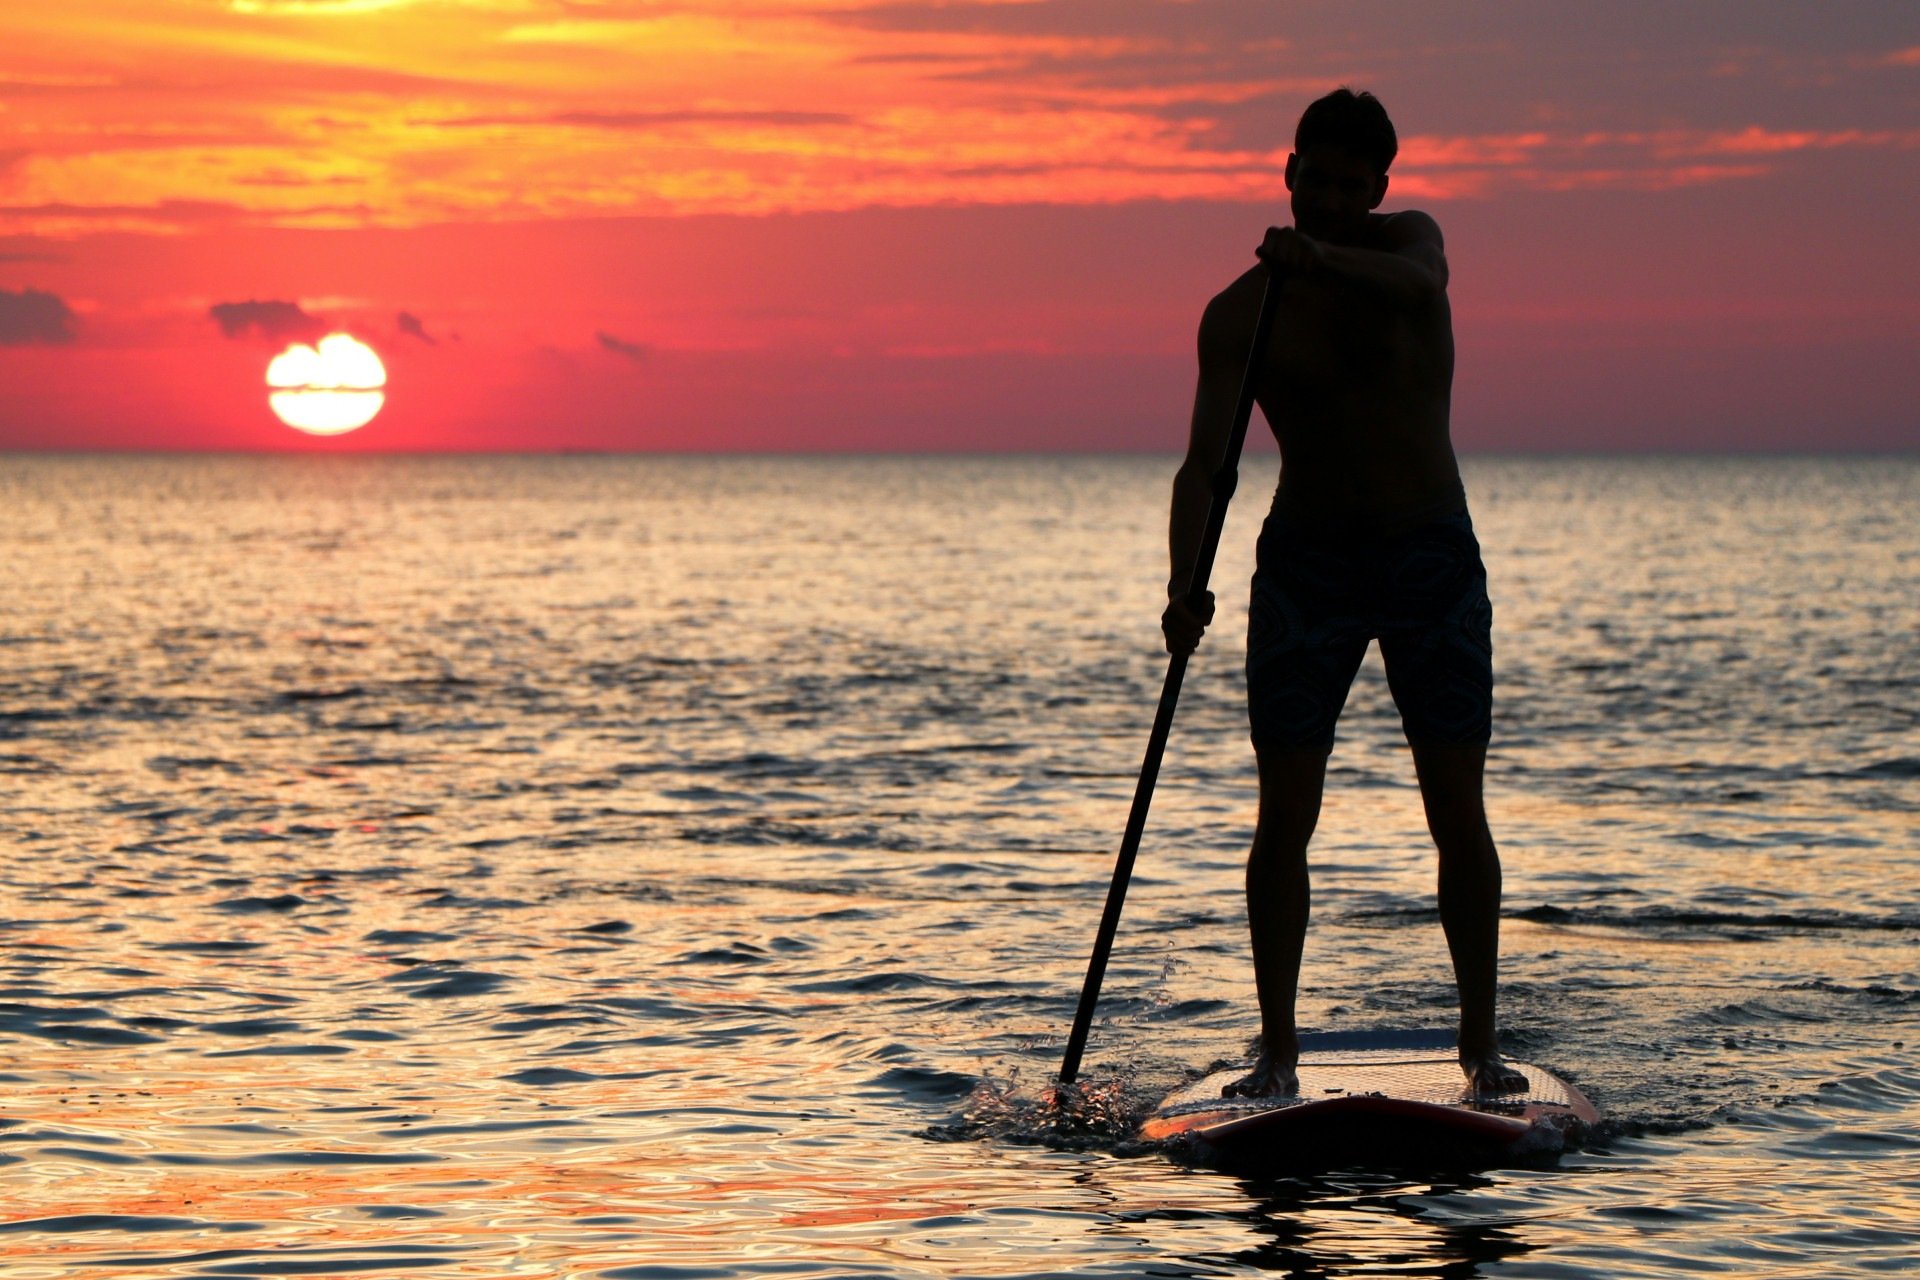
[1320, 595]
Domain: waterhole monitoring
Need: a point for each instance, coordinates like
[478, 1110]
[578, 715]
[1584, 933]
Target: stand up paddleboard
[1370, 1098]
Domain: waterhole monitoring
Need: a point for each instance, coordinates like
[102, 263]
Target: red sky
[836, 224]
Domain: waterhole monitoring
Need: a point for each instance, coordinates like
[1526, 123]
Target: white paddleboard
[1393, 1097]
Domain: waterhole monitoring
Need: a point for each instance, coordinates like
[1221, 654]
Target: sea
[676, 868]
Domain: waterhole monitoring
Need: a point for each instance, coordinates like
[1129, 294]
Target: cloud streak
[412, 326]
[273, 319]
[1660, 160]
[631, 351]
[664, 119]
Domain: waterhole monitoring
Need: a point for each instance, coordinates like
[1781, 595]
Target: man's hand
[1183, 625]
[1290, 253]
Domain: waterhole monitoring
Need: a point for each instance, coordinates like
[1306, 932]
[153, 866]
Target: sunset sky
[837, 224]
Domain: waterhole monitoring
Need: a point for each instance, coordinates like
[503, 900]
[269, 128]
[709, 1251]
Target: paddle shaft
[1225, 479]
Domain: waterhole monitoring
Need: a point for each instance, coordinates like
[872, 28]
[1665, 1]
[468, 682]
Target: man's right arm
[1225, 330]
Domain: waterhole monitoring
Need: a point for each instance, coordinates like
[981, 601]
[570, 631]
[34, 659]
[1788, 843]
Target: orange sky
[754, 224]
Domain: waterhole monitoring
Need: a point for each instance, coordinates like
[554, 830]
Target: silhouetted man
[1369, 538]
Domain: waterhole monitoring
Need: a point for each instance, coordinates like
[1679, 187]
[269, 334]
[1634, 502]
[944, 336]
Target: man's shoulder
[1405, 227]
[1246, 287]
[1230, 314]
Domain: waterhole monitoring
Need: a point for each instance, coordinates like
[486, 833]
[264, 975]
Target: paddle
[1224, 481]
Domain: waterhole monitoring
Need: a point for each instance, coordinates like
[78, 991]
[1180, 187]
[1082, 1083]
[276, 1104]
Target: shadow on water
[1365, 1222]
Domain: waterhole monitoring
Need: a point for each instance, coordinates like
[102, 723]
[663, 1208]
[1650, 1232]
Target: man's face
[1333, 191]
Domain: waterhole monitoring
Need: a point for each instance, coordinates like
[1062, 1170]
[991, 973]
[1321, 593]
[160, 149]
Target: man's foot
[1488, 1072]
[1270, 1078]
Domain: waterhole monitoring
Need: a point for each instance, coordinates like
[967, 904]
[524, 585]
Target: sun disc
[326, 413]
[327, 389]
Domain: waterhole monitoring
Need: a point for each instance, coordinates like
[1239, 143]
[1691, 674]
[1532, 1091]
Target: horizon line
[1865, 451]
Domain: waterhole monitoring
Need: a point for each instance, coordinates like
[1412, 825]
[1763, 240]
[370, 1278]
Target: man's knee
[1279, 847]
[1290, 787]
[1462, 834]
[1451, 792]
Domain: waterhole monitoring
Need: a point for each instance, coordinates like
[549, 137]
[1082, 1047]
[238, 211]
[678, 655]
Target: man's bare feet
[1270, 1078]
[1487, 1072]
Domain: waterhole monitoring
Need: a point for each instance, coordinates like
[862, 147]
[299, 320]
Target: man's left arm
[1407, 265]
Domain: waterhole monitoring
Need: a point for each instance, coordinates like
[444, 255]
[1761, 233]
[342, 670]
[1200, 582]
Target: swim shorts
[1321, 594]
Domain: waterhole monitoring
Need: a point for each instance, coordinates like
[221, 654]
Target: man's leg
[1277, 900]
[1450, 788]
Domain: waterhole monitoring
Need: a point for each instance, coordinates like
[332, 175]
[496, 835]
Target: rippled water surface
[676, 868]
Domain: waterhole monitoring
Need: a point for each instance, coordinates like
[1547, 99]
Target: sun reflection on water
[551, 867]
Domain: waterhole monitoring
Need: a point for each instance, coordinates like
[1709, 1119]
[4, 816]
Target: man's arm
[1408, 265]
[1225, 329]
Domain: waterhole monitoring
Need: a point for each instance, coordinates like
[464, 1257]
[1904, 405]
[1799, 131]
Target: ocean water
[669, 868]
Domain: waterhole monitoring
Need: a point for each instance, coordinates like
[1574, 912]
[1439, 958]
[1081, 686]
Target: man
[1369, 538]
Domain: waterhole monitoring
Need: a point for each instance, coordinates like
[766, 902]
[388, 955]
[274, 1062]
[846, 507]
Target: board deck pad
[1366, 1098]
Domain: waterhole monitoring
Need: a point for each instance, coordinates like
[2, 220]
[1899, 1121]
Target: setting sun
[327, 390]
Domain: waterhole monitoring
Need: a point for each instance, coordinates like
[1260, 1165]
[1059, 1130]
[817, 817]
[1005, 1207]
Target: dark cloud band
[31, 316]
[633, 351]
[270, 319]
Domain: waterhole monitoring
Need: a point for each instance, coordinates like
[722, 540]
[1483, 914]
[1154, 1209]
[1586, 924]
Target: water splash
[1100, 1113]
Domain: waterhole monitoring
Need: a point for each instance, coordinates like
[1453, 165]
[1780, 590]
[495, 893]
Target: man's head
[1337, 173]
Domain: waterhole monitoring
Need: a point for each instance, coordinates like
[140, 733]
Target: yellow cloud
[317, 7]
